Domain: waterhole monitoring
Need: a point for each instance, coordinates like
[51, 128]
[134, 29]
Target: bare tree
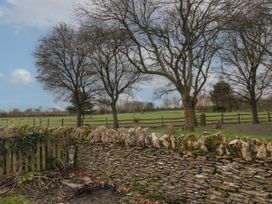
[63, 66]
[116, 74]
[173, 39]
[248, 42]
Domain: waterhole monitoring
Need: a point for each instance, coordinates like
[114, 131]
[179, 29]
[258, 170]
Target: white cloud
[125, 97]
[38, 13]
[21, 77]
[212, 79]
[154, 82]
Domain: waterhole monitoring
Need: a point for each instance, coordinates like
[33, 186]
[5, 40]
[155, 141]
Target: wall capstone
[215, 144]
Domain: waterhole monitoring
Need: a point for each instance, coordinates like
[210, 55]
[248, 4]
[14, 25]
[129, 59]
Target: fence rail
[202, 119]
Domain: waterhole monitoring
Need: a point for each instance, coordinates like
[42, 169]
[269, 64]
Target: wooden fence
[13, 162]
[202, 119]
[233, 118]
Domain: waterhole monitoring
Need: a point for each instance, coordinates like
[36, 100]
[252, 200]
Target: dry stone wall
[207, 169]
[249, 149]
[180, 169]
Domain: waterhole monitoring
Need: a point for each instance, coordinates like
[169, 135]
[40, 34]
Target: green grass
[143, 118]
[15, 199]
[225, 132]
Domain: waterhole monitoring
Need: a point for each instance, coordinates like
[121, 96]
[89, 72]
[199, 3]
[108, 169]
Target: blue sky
[18, 87]
[22, 23]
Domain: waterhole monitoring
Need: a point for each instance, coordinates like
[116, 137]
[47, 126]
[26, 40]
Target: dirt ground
[52, 188]
[99, 197]
[73, 188]
[258, 129]
[67, 194]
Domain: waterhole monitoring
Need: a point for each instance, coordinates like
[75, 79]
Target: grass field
[158, 118]
[172, 121]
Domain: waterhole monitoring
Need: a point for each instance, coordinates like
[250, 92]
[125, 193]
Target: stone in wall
[269, 149]
[246, 151]
[177, 178]
[262, 152]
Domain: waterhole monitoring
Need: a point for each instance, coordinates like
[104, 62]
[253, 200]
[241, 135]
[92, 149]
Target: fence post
[269, 117]
[203, 119]
[43, 155]
[14, 163]
[40, 120]
[162, 121]
[222, 118]
[2, 160]
[48, 122]
[135, 121]
[20, 163]
[196, 121]
[38, 157]
[26, 162]
[62, 122]
[34, 122]
[106, 121]
[8, 159]
[239, 118]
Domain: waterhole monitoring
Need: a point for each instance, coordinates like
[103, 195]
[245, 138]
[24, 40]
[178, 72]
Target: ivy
[3, 149]
[24, 142]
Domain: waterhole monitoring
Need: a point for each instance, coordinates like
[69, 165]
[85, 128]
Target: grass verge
[15, 199]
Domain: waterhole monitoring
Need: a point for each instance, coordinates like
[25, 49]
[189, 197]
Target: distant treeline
[33, 112]
[204, 105]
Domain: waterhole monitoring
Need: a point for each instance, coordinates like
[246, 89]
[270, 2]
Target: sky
[22, 24]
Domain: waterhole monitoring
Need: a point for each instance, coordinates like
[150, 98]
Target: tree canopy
[222, 96]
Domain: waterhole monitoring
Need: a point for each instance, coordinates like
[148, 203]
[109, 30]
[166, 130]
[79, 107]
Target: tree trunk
[79, 116]
[114, 115]
[189, 114]
[78, 119]
[254, 111]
